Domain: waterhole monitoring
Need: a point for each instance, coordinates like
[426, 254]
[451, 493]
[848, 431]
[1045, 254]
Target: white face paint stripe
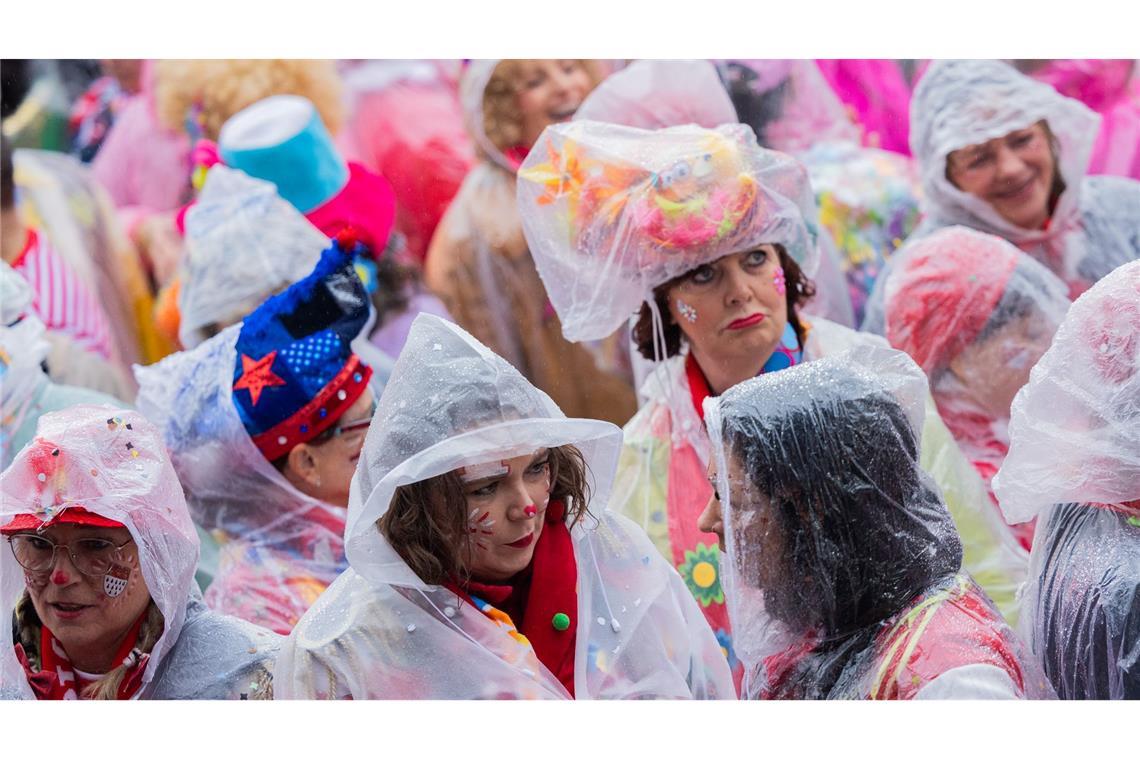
[482, 471]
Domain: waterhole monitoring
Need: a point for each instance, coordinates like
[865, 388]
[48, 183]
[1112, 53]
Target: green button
[561, 621]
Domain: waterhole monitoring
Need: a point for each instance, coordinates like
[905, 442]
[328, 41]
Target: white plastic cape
[200, 655]
[1074, 460]
[244, 243]
[1075, 427]
[843, 568]
[1095, 226]
[611, 212]
[278, 548]
[381, 632]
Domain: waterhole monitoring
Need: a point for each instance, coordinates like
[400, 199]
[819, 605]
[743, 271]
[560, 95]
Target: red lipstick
[744, 322]
[523, 542]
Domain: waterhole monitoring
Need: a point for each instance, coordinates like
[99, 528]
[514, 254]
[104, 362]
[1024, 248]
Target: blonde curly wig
[502, 120]
[222, 87]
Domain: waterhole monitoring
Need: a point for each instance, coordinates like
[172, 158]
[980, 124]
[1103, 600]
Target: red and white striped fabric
[60, 299]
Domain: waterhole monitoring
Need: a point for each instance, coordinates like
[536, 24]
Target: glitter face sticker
[779, 281]
[480, 526]
[483, 471]
[687, 311]
[115, 581]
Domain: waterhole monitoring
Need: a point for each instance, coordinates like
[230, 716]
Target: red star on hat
[257, 375]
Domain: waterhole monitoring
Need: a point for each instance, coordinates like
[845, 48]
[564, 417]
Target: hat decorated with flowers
[612, 212]
[294, 370]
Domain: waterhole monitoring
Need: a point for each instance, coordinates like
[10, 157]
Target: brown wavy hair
[799, 290]
[427, 521]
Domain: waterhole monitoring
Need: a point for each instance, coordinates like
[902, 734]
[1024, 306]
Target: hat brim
[70, 516]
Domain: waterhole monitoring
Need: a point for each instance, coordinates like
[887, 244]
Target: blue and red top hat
[294, 371]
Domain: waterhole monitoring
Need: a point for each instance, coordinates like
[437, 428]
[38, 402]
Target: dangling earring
[688, 312]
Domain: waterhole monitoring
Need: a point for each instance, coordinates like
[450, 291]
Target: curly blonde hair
[502, 120]
[222, 87]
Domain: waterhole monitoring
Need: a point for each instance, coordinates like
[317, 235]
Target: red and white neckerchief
[60, 299]
[58, 678]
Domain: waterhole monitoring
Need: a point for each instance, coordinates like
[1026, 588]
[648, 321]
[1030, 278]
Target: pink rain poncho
[587, 194]
[1111, 88]
[843, 569]
[113, 463]
[1074, 464]
[380, 632]
[976, 314]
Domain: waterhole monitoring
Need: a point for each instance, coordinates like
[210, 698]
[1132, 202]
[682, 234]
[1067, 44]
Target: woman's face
[334, 455]
[549, 91]
[995, 369]
[1014, 174]
[506, 506]
[735, 306]
[90, 623]
[758, 544]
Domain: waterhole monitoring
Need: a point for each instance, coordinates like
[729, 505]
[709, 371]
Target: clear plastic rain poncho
[868, 198]
[611, 212]
[278, 548]
[479, 265]
[843, 568]
[1095, 226]
[113, 463]
[652, 94]
[244, 243]
[380, 632]
[26, 392]
[1074, 463]
[976, 314]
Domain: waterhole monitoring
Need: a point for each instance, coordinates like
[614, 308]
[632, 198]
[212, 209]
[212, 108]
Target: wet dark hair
[7, 180]
[863, 533]
[799, 290]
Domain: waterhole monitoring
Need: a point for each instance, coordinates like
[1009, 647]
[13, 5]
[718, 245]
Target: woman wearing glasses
[97, 582]
[265, 422]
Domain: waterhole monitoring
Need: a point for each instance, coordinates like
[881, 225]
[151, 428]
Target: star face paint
[686, 311]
